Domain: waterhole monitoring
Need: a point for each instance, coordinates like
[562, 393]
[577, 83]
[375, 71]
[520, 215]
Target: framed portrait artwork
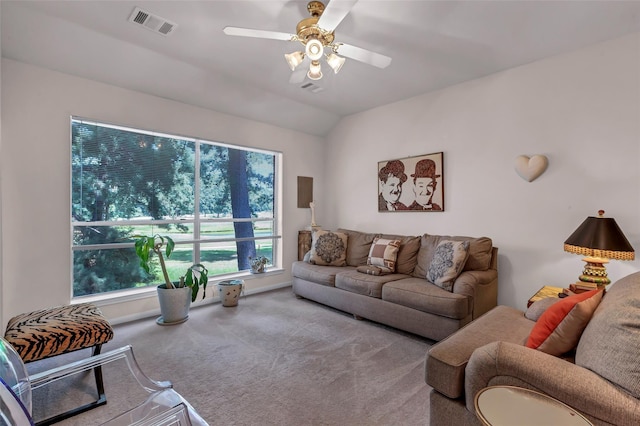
[411, 184]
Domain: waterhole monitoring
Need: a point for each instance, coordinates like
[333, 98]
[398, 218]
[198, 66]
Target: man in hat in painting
[424, 186]
[390, 180]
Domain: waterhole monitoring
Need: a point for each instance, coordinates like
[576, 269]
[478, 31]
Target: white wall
[35, 175]
[581, 109]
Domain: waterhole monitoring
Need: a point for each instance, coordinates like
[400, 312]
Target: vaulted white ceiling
[433, 44]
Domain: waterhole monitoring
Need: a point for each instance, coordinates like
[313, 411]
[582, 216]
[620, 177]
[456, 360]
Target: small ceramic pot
[229, 292]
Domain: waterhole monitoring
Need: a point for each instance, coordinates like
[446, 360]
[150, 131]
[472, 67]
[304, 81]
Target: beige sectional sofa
[600, 379]
[404, 299]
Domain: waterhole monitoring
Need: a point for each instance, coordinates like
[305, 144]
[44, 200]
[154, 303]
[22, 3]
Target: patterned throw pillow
[383, 254]
[447, 263]
[328, 248]
[559, 328]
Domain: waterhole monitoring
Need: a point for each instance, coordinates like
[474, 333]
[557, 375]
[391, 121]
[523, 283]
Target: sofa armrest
[481, 287]
[504, 363]
[469, 282]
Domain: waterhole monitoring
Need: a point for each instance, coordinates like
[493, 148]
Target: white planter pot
[174, 304]
[229, 292]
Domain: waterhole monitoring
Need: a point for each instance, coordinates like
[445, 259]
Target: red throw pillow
[559, 328]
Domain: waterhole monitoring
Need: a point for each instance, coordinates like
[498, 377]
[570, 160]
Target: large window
[216, 201]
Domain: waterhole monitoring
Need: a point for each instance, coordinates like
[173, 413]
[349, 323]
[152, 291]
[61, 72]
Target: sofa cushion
[383, 253]
[610, 344]
[324, 275]
[368, 285]
[447, 263]
[559, 328]
[480, 251]
[407, 254]
[419, 294]
[328, 248]
[358, 245]
[447, 360]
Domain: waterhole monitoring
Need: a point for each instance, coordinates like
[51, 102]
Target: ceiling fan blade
[298, 76]
[363, 55]
[334, 13]
[247, 32]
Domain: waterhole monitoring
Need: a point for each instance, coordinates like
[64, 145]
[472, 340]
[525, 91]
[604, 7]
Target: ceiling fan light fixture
[315, 72]
[314, 49]
[335, 62]
[317, 34]
[294, 59]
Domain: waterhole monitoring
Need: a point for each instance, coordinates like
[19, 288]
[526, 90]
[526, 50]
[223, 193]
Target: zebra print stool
[49, 332]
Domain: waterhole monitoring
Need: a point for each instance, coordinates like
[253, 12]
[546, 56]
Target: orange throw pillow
[559, 328]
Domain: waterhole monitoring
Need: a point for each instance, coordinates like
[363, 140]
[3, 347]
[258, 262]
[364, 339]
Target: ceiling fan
[316, 34]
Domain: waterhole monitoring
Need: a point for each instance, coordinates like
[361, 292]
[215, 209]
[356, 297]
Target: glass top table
[511, 405]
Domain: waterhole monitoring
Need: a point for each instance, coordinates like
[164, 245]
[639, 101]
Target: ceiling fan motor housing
[308, 28]
[315, 8]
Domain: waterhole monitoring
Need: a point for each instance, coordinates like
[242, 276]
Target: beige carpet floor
[272, 360]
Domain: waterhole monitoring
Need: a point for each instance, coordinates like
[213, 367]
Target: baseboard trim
[154, 313]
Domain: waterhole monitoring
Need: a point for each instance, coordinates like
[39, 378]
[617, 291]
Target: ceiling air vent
[151, 22]
[310, 87]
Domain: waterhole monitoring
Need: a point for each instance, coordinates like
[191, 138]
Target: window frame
[117, 296]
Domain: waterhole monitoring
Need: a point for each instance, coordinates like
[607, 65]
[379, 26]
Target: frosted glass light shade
[315, 72]
[294, 59]
[335, 62]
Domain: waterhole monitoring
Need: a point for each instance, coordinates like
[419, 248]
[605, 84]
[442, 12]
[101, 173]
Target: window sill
[146, 292]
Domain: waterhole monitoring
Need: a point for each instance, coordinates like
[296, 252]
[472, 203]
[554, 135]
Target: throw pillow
[328, 248]
[537, 308]
[372, 270]
[407, 253]
[559, 328]
[383, 254]
[447, 263]
[480, 253]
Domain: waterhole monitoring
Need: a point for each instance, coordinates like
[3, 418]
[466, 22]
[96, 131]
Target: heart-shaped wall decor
[529, 168]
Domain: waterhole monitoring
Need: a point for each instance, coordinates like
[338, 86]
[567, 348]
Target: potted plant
[229, 292]
[258, 264]
[175, 298]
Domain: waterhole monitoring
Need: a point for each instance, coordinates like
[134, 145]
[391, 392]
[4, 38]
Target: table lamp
[598, 239]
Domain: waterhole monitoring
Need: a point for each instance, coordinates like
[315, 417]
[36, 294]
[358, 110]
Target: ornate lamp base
[595, 272]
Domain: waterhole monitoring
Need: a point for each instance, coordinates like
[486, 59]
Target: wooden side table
[511, 405]
[304, 243]
[544, 292]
